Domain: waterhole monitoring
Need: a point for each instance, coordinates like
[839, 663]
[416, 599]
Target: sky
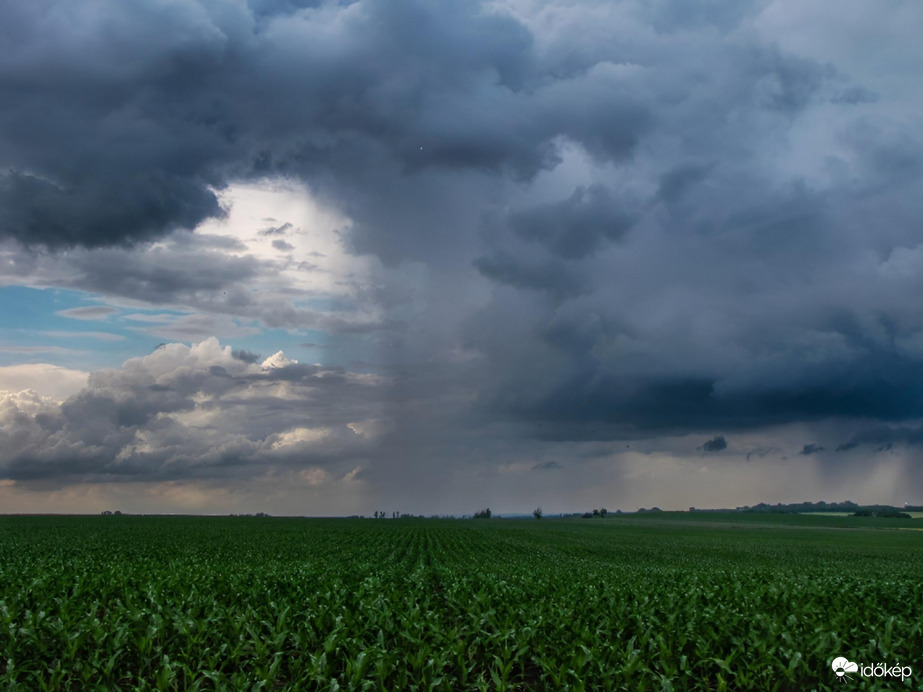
[331, 257]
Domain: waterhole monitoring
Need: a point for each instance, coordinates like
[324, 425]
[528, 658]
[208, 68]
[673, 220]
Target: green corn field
[669, 602]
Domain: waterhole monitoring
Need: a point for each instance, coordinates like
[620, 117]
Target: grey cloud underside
[575, 227]
[187, 273]
[884, 437]
[670, 221]
[119, 131]
[598, 401]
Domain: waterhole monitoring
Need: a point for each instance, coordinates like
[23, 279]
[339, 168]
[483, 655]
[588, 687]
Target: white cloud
[277, 360]
[297, 437]
[318, 260]
[367, 428]
[47, 380]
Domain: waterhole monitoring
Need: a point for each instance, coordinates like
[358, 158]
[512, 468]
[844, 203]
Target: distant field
[635, 602]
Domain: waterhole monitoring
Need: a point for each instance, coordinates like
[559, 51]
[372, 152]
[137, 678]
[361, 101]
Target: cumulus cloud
[45, 379]
[188, 412]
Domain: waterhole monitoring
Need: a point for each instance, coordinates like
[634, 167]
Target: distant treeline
[847, 506]
[856, 510]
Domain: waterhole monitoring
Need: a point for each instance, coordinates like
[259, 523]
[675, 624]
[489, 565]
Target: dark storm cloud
[119, 130]
[762, 452]
[575, 227]
[588, 403]
[547, 466]
[674, 183]
[716, 444]
[884, 437]
[810, 449]
[103, 139]
[692, 226]
[550, 276]
[99, 211]
[855, 94]
[741, 296]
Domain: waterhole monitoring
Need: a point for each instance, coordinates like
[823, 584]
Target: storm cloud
[716, 444]
[545, 224]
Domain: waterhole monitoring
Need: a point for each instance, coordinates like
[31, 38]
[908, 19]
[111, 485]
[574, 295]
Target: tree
[537, 512]
[483, 514]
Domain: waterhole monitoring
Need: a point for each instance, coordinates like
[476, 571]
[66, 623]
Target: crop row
[186, 604]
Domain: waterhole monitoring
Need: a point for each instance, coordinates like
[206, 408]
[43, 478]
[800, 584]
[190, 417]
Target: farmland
[652, 602]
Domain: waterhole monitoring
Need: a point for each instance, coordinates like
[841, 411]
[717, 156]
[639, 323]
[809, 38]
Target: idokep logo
[842, 666]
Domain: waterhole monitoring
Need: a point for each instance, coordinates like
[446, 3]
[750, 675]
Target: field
[633, 602]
